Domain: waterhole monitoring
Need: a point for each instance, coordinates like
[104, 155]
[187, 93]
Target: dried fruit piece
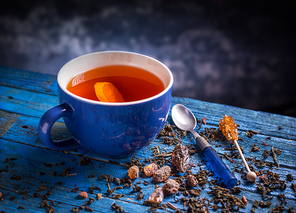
[157, 196]
[150, 169]
[191, 180]
[180, 157]
[171, 186]
[229, 128]
[133, 172]
[83, 195]
[204, 120]
[99, 196]
[162, 174]
[245, 200]
[107, 92]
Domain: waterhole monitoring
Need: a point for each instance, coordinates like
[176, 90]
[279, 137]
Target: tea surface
[133, 83]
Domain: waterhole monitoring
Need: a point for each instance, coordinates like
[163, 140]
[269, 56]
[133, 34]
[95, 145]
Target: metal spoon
[185, 120]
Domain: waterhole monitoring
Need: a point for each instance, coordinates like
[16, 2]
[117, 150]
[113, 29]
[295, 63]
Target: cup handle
[46, 123]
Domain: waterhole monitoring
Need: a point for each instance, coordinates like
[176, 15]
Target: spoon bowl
[183, 117]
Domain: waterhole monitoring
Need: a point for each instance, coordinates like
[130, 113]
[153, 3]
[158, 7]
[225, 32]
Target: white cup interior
[98, 59]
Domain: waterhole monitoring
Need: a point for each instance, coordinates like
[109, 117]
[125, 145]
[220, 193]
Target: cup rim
[168, 87]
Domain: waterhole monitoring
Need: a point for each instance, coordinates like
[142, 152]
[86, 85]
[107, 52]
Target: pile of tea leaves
[217, 196]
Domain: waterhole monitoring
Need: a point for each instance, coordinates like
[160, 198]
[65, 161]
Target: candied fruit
[162, 174]
[133, 172]
[171, 186]
[157, 196]
[180, 157]
[150, 169]
[83, 195]
[191, 180]
[229, 128]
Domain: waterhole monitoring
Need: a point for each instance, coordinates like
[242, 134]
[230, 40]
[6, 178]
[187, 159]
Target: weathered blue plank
[26, 102]
[6, 121]
[27, 80]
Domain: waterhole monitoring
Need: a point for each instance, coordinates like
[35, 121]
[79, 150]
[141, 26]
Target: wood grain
[25, 96]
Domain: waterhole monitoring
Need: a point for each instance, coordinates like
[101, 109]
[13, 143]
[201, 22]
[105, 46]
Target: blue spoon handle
[219, 167]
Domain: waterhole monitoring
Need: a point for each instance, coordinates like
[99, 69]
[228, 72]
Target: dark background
[240, 53]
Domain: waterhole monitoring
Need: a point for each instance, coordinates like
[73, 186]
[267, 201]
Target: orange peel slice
[107, 92]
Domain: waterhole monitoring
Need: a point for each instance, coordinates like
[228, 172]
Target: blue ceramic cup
[108, 129]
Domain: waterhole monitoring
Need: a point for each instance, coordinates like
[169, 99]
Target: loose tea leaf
[195, 192]
[87, 208]
[21, 207]
[250, 133]
[84, 161]
[264, 204]
[274, 156]
[282, 199]
[66, 172]
[42, 187]
[236, 189]
[137, 188]
[117, 208]
[140, 196]
[254, 148]
[265, 153]
[49, 164]
[49, 208]
[290, 177]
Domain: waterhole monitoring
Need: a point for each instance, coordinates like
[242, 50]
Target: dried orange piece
[150, 169]
[133, 172]
[107, 92]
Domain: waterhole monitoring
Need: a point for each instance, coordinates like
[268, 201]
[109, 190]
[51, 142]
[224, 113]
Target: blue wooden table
[34, 178]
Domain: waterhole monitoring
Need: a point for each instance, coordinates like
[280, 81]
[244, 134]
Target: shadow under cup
[108, 129]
